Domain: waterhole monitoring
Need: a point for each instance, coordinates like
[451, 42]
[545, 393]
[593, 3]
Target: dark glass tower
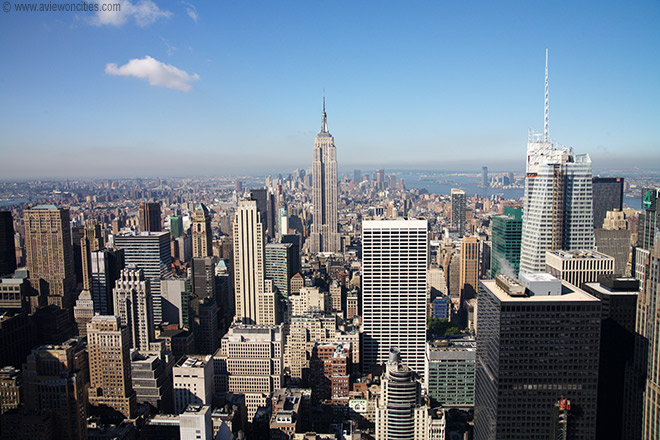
[617, 341]
[537, 342]
[7, 249]
[608, 195]
[149, 217]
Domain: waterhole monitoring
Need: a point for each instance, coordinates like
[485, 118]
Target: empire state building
[324, 235]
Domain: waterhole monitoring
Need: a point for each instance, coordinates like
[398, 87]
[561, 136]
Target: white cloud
[192, 11]
[143, 12]
[156, 72]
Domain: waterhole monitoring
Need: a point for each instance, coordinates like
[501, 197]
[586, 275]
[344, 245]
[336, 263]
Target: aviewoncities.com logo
[60, 7]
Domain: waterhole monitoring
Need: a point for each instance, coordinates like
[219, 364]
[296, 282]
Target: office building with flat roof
[394, 290]
[450, 371]
[538, 341]
[192, 382]
[249, 361]
[579, 266]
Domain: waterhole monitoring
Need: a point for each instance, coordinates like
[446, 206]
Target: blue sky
[230, 87]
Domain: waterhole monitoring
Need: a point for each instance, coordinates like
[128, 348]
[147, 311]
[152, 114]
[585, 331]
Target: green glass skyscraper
[176, 226]
[507, 233]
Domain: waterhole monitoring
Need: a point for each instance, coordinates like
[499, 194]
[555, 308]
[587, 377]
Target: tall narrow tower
[324, 235]
[558, 210]
[92, 241]
[202, 236]
[253, 300]
[458, 203]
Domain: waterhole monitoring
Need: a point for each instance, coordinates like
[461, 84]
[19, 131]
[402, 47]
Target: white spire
[546, 124]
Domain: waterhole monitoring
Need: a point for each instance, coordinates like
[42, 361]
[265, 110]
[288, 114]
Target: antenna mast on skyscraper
[545, 127]
[324, 124]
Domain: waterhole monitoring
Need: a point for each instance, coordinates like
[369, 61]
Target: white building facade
[395, 259]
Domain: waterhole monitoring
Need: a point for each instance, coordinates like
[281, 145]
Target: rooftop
[580, 254]
[569, 293]
[398, 223]
[192, 362]
[131, 233]
[607, 290]
[452, 349]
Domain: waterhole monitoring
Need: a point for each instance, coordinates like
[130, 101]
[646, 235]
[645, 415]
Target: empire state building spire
[324, 119]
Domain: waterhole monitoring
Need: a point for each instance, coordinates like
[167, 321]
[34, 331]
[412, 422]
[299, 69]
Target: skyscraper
[263, 198]
[205, 326]
[526, 362]
[149, 251]
[294, 239]
[7, 247]
[110, 383]
[106, 265]
[558, 212]
[282, 218]
[202, 304]
[149, 217]
[202, 235]
[50, 254]
[54, 381]
[203, 277]
[395, 256]
[91, 241]
[649, 220]
[607, 195]
[176, 226]
[484, 177]
[249, 286]
[458, 211]
[617, 343]
[469, 269]
[132, 303]
[647, 350]
[507, 231]
[324, 235]
[279, 265]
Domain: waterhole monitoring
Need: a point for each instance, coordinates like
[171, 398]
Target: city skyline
[425, 86]
[179, 260]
